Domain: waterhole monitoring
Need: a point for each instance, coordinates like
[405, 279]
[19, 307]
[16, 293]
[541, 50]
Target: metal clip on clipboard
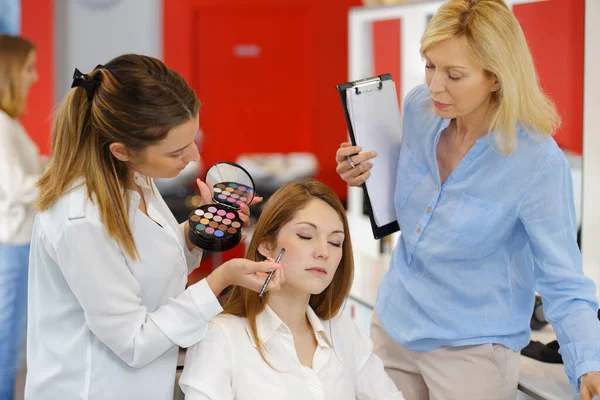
[367, 85]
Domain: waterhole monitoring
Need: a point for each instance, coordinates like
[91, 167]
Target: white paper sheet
[377, 125]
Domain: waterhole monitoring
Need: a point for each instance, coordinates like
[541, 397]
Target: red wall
[37, 25]
[329, 44]
[555, 33]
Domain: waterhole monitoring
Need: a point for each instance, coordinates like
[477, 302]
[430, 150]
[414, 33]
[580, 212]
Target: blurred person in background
[20, 167]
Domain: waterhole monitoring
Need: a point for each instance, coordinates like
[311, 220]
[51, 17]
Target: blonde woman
[292, 344]
[108, 304]
[20, 167]
[485, 203]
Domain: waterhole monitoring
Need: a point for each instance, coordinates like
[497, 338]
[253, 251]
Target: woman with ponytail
[109, 263]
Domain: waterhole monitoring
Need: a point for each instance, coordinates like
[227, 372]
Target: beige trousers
[480, 372]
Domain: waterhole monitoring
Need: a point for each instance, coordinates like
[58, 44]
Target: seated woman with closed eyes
[291, 344]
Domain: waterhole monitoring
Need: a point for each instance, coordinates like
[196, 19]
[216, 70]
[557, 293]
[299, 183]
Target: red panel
[556, 41]
[253, 82]
[386, 51]
[326, 41]
[37, 25]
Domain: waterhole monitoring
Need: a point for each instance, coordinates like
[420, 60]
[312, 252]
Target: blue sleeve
[569, 297]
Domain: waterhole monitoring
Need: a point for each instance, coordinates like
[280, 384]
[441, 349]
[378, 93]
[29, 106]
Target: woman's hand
[246, 273]
[357, 175]
[590, 385]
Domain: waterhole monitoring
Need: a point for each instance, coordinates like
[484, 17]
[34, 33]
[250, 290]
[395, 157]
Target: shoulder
[10, 128]
[417, 97]
[72, 211]
[222, 330]
[539, 153]
[228, 323]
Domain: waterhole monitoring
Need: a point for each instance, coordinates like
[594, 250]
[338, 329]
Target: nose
[192, 153]
[321, 249]
[437, 83]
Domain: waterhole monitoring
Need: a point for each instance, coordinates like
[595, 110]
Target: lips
[437, 104]
[317, 270]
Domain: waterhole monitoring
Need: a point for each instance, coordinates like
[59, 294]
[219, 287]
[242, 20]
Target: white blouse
[104, 326]
[226, 365]
[20, 168]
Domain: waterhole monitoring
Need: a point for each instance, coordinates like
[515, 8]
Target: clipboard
[373, 119]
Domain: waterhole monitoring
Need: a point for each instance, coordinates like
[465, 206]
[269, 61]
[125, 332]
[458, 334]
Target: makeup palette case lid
[230, 184]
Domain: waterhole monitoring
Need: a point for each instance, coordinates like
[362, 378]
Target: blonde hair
[279, 210]
[493, 37]
[136, 101]
[14, 51]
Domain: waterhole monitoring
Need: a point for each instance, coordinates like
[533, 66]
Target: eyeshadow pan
[217, 218]
[236, 224]
[242, 188]
[219, 234]
[220, 186]
[222, 197]
[208, 215]
[222, 227]
[204, 221]
[200, 227]
[212, 209]
[217, 190]
[199, 213]
[222, 213]
[195, 218]
[230, 215]
[233, 231]
[210, 230]
[227, 221]
[213, 224]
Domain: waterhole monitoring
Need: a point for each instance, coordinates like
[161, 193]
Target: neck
[475, 125]
[290, 306]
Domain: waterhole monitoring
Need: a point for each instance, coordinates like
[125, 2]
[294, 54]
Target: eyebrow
[178, 150]
[314, 226]
[449, 66]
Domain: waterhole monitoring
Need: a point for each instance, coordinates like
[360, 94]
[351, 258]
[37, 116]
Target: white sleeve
[98, 275]
[17, 186]
[208, 369]
[371, 381]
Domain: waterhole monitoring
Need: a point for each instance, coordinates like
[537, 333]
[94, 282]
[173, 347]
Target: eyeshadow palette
[218, 227]
[214, 228]
[232, 194]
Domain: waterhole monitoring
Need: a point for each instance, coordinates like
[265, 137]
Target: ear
[265, 249]
[495, 85]
[119, 151]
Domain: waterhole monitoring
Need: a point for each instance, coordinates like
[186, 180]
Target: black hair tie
[82, 80]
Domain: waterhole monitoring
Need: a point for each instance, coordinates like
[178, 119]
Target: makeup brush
[262, 291]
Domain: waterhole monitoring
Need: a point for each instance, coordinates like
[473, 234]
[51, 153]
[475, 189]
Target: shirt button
[429, 209]
[418, 229]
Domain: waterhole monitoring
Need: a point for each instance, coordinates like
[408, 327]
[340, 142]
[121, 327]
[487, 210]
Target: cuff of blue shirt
[573, 356]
